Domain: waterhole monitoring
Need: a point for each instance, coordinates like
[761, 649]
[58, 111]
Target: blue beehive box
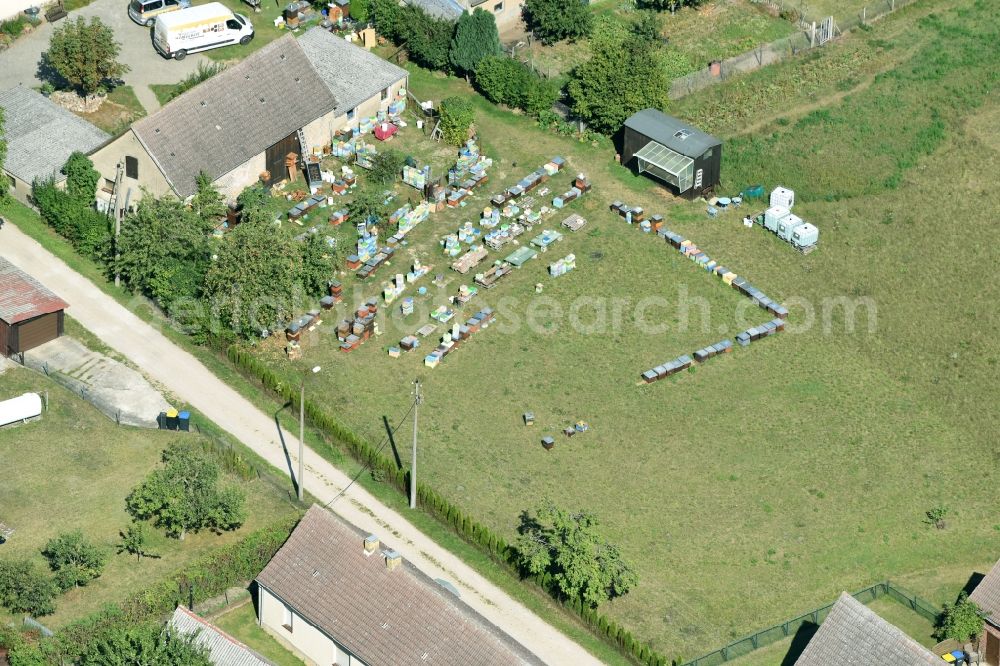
[743, 339]
[649, 376]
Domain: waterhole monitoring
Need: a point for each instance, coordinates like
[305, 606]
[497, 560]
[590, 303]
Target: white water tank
[787, 225]
[26, 406]
[805, 235]
[781, 196]
[773, 215]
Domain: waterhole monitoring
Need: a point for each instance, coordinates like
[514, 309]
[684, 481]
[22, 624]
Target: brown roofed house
[30, 314]
[854, 634]
[337, 596]
[987, 596]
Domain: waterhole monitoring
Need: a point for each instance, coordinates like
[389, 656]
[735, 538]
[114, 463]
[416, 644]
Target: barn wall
[106, 162]
[4, 336]
[37, 331]
[231, 184]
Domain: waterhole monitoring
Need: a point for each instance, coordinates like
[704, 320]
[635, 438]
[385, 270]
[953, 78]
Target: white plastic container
[781, 196]
[805, 235]
[787, 226]
[774, 215]
[21, 408]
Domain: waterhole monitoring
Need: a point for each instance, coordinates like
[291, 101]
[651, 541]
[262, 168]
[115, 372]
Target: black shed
[682, 156]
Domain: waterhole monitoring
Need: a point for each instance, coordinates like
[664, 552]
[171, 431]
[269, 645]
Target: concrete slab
[117, 390]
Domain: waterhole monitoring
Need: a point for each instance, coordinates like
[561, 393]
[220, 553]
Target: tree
[81, 179]
[251, 283]
[671, 5]
[146, 645]
[133, 542]
[457, 117]
[26, 590]
[646, 26]
[359, 11]
[476, 37]
[620, 78]
[427, 39]
[183, 496]
[255, 204]
[74, 559]
[163, 250]
[366, 206]
[961, 621]
[85, 55]
[207, 202]
[554, 20]
[386, 167]
[318, 264]
[567, 546]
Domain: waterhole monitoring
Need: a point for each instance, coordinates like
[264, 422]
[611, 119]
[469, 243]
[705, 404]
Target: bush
[554, 20]
[457, 117]
[25, 590]
[75, 560]
[503, 80]
[14, 27]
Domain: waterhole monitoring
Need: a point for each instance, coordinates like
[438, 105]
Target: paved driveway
[20, 61]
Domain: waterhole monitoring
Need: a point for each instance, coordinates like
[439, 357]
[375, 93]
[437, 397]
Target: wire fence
[789, 628]
[767, 54]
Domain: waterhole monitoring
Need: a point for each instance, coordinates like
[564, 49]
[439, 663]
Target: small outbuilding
[682, 156]
[30, 314]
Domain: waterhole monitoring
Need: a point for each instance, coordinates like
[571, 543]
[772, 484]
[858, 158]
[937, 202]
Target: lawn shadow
[284, 446]
[390, 433]
[799, 642]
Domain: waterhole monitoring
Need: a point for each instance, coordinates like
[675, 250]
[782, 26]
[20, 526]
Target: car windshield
[136, 5]
[240, 19]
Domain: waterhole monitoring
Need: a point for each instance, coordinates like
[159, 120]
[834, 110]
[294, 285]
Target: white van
[198, 29]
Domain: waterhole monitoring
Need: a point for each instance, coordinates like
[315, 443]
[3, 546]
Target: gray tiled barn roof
[41, 135]
[235, 115]
[352, 74]
[854, 634]
[223, 649]
[443, 9]
[663, 129]
[987, 595]
[389, 618]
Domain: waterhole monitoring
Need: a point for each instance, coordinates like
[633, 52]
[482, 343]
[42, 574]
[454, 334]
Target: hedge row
[474, 532]
[205, 578]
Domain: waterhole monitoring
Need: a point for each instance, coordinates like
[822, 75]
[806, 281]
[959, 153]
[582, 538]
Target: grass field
[73, 468]
[771, 479]
[241, 623]
[714, 31]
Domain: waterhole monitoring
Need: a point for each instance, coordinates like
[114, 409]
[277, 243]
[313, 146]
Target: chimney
[371, 544]
[392, 559]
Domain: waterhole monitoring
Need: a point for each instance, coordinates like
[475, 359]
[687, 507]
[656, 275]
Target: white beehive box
[805, 235]
[774, 215]
[781, 196]
[787, 226]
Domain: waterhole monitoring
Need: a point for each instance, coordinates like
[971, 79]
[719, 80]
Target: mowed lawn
[72, 470]
[769, 480]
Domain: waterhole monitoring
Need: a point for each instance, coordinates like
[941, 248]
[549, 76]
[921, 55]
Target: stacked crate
[352, 333]
[669, 368]
[457, 334]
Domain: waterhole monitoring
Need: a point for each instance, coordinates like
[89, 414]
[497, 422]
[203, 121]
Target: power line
[367, 467]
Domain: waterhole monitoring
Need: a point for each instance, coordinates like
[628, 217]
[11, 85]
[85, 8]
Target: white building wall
[11, 8]
[304, 639]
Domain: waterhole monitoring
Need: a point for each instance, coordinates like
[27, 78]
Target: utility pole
[413, 463]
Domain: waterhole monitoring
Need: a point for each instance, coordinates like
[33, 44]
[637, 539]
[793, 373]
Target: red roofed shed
[30, 314]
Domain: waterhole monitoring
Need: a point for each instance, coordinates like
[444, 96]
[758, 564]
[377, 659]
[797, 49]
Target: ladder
[436, 132]
[303, 149]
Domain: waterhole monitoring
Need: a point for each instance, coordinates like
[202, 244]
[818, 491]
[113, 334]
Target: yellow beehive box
[728, 278]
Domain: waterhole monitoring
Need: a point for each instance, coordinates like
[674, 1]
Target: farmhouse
[854, 634]
[242, 124]
[682, 156]
[506, 12]
[30, 314]
[337, 597]
[987, 596]
[41, 135]
[222, 648]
